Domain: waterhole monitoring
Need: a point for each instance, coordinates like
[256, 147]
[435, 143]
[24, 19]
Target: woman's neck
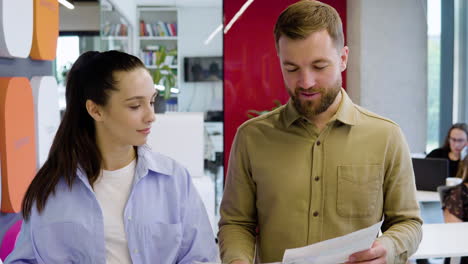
[454, 155]
[115, 156]
[114, 160]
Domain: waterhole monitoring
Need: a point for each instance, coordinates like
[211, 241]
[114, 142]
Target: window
[433, 69]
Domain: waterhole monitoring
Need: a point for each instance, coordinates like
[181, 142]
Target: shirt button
[318, 143]
[135, 251]
[317, 178]
[316, 213]
[129, 218]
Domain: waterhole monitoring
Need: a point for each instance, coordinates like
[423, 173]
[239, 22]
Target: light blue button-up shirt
[165, 221]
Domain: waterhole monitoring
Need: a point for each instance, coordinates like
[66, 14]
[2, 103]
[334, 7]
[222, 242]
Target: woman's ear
[94, 110]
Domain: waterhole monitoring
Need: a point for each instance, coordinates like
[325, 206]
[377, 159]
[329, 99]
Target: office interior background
[408, 62]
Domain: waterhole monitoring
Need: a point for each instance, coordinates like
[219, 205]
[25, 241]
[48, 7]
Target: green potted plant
[164, 76]
[254, 113]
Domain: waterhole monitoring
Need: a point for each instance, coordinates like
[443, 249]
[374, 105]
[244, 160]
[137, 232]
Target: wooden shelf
[125, 38]
[158, 37]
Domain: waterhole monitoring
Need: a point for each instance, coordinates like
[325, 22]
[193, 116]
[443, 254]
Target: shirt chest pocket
[358, 190]
[63, 242]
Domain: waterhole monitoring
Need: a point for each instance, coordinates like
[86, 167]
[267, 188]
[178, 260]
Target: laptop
[430, 173]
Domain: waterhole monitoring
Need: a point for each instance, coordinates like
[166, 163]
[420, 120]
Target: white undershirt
[112, 190]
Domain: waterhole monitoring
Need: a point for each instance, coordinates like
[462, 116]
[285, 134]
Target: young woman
[455, 141]
[102, 196]
[455, 204]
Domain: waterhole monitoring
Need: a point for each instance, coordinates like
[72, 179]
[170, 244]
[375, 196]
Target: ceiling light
[237, 15]
[213, 34]
[67, 4]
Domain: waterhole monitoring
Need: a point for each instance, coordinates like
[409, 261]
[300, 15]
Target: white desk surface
[427, 196]
[443, 240]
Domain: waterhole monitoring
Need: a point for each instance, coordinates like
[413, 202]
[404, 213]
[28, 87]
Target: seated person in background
[456, 140]
[455, 204]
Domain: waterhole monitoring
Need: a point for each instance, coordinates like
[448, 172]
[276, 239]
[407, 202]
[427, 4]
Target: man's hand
[375, 255]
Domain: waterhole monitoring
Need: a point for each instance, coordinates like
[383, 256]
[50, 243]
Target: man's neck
[321, 120]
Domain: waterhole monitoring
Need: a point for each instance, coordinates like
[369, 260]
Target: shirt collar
[346, 112]
[147, 160]
[290, 113]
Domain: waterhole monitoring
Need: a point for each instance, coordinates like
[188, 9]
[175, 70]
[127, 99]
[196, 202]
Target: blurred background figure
[456, 140]
[455, 205]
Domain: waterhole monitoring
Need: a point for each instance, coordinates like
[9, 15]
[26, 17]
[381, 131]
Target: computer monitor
[430, 173]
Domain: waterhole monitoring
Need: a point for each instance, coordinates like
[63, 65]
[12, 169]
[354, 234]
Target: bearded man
[320, 166]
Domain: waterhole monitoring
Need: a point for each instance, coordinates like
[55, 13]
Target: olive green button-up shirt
[289, 185]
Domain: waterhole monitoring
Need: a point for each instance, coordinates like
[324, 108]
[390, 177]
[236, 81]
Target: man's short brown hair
[305, 17]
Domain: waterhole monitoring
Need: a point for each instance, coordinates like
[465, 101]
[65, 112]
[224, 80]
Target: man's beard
[309, 108]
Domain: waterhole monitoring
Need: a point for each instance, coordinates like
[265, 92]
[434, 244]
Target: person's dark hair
[90, 78]
[305, 17]
[461, 126]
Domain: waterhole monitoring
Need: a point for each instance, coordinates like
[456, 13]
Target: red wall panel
[252, 75]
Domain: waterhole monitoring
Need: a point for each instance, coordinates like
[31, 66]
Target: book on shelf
[106, 29]
[123, 30]
[161, 31]
[149, 30]
[149, 58]
[142, 28]
[114, 30]
[158, 29]
[173, 27]
[164, 28]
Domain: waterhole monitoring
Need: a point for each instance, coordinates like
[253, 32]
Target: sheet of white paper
[333, 251]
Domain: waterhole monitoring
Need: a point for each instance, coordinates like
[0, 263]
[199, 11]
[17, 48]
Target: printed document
[332, 251]
[335, 250]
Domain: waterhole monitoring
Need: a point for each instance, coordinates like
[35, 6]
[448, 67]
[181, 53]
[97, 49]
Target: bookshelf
[157, 31]
[116, 31]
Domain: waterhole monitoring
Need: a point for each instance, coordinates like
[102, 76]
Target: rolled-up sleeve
[401, 229]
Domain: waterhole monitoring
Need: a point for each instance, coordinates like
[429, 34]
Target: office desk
[427, 196]
[429, 203]
[443, 240]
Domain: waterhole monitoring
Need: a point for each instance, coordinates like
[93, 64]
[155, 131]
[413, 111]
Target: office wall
[253, 78]
[85, 17]
[387, 69]
[195, 26]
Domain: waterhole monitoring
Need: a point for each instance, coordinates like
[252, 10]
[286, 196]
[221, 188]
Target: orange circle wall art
[45, 30]
[17, 141]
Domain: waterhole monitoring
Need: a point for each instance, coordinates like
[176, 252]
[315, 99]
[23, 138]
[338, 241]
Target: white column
[387, 69]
